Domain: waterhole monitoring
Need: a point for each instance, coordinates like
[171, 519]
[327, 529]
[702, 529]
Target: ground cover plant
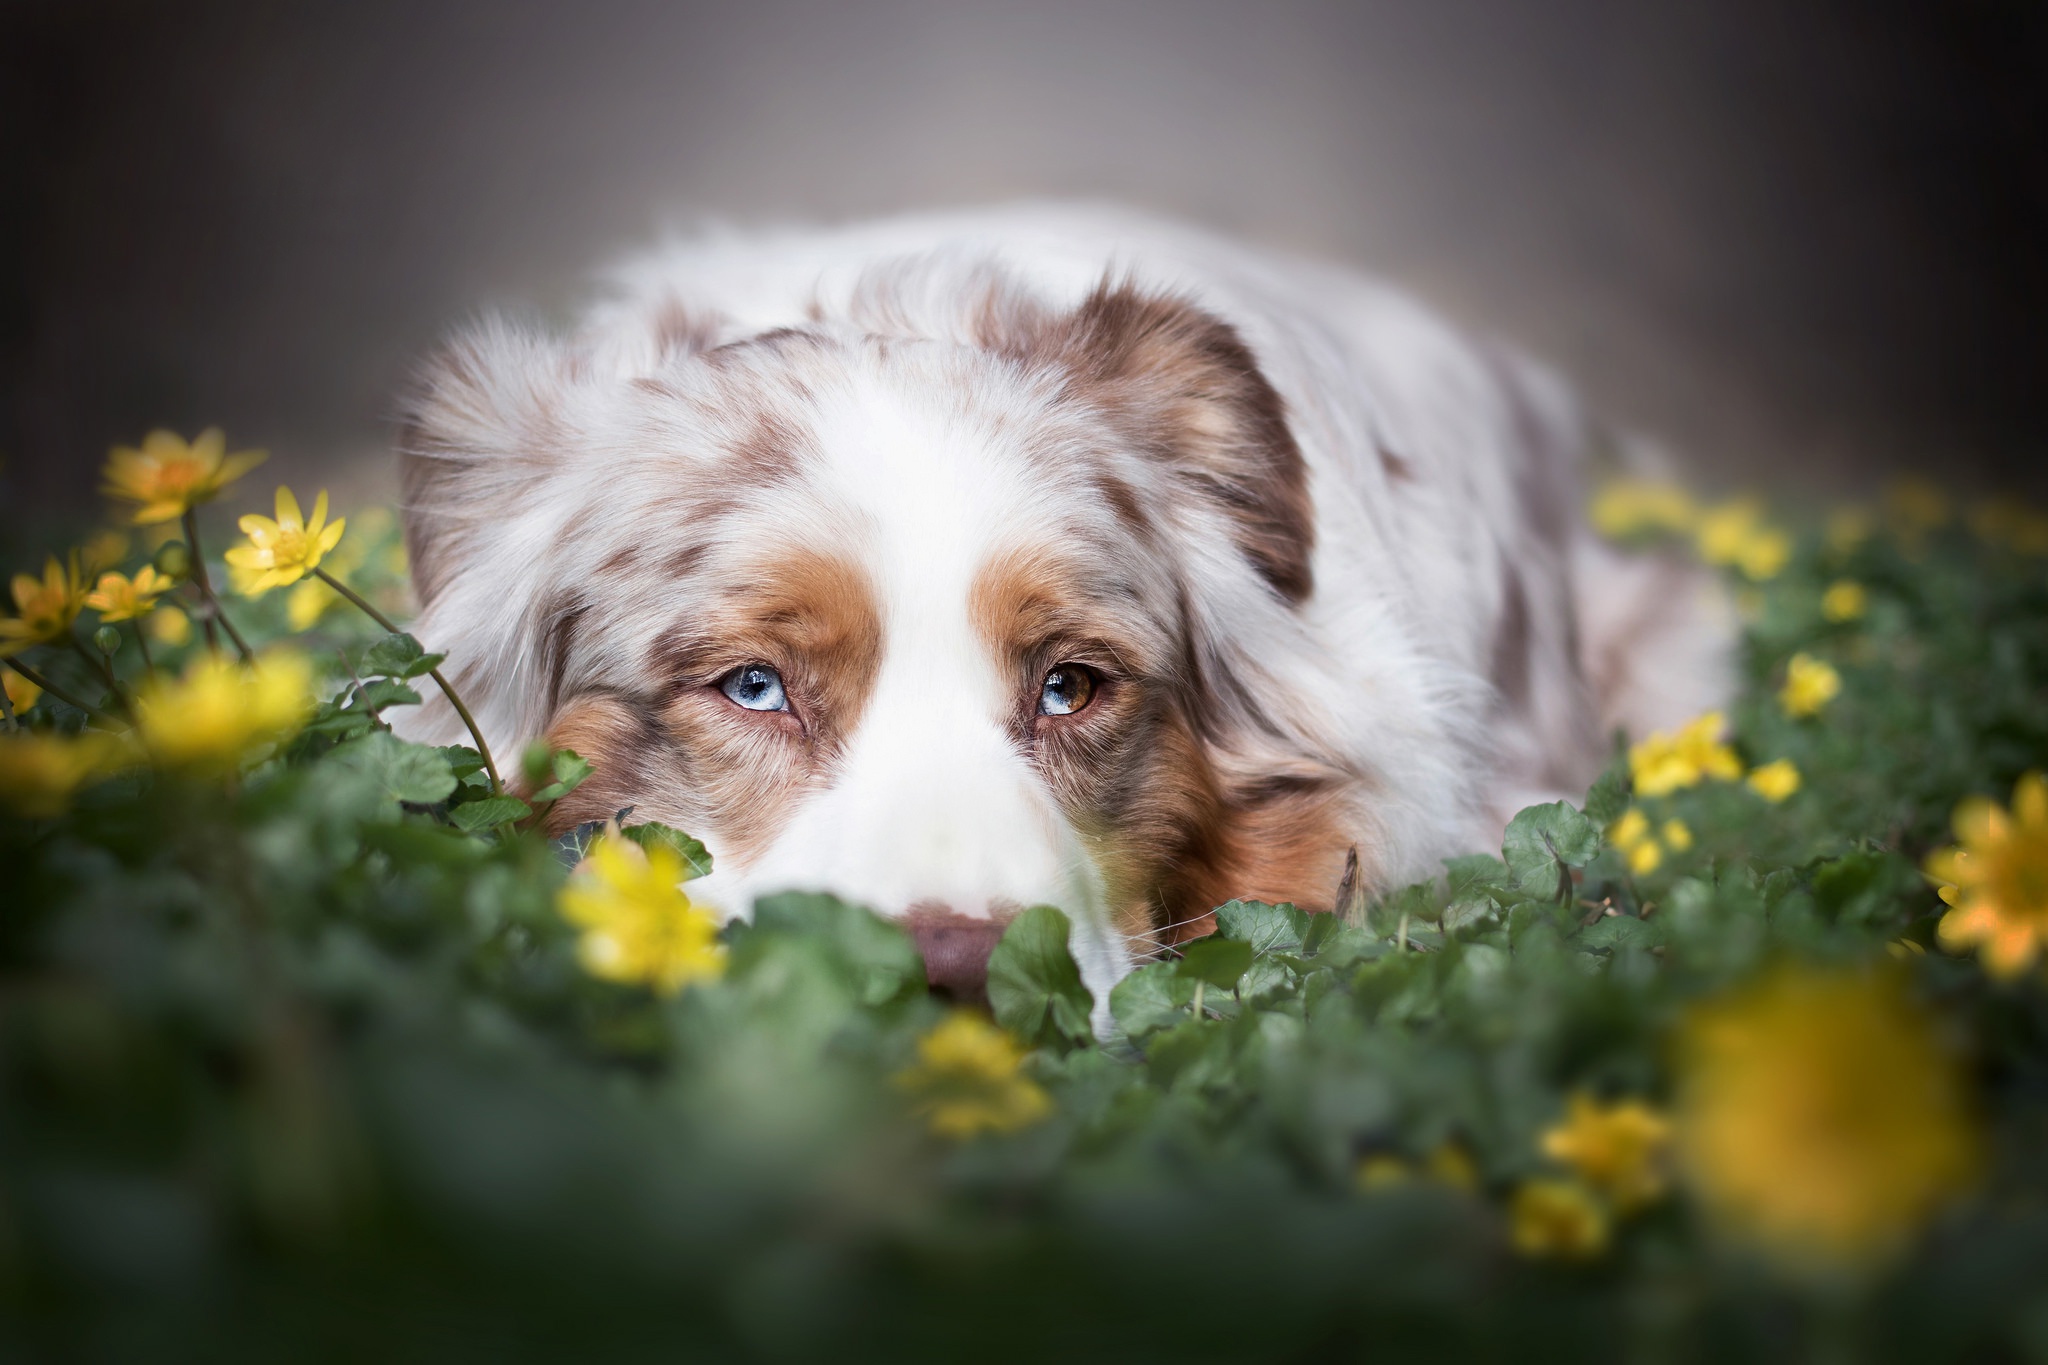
[310, 1048]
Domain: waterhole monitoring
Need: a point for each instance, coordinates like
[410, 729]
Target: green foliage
[306, 1065]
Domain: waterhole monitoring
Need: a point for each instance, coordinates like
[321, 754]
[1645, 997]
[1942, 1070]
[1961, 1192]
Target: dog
[964, 562]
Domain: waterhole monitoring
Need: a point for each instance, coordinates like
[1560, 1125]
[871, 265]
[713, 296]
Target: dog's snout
[956, 949]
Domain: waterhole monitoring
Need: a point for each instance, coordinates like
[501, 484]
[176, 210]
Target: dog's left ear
[1187, 391]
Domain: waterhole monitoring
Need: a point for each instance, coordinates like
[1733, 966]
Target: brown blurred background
[1797, 245]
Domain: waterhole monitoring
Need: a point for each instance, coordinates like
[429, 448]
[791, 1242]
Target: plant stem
[59, 693]
[106, 671]
[447, 690]
[205, 586]
[7, 710]
[142, 643]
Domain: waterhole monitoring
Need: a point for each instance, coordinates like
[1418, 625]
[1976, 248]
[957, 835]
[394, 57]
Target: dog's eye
[1065, 690]
[756, 687]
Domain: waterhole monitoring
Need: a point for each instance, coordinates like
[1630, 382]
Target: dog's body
[960, 563]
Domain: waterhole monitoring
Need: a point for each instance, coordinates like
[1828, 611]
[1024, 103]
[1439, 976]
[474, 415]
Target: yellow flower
[1775, 781]
[969, 1079]
[1631, 834]
[1670, 760]
[1810, 684]
[1619, 1149]
[45, 608]
[1848, 527]
[2011, 524]
[102, 550]
[1735, 533]
[21, 693]
[40, 772]
[638, 926]
[1625, 507]
[1450, 1165]
[1677, 835]
[218, 710]
[307, 602]
[1995, 879]
[1819, 1118]
[1845, 600]
[121, 598]
[1558, 1218]
[283, 551]
[169, 626]
[167, 477]
[1915, 506]
[1763, 554]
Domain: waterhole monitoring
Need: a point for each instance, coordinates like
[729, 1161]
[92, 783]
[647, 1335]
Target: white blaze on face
[932, 803]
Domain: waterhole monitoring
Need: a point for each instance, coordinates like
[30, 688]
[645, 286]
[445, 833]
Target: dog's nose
[955, 948]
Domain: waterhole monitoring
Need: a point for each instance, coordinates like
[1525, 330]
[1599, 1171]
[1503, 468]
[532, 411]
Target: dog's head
[952, 603]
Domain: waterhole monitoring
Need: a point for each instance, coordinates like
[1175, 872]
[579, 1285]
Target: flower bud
[173, 560]
[107, 638]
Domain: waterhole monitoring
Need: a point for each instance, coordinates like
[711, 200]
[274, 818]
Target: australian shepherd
[961, 563]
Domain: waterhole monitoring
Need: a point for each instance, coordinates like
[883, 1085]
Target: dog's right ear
[481, 431]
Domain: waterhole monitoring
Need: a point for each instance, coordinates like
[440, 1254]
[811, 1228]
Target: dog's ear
[479, 433]
[1186, 390]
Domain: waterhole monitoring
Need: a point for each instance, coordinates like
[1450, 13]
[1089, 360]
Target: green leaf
[1542, 842]
[379, 693]
[410, 773]
[1475, 874]
[878, 959]
[1154, 997]
[1034, 988]
[1320, 928]
[492, 810]
[570, 769]
[1218, 961]
[397, 656]
[651, 834]
[462, 760]
[1607, 798]
[1267, 928]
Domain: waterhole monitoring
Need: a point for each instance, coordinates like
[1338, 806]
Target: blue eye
[1066, 690]
[755, 687]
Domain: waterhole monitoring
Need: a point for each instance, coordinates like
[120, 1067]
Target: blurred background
[1796, 245]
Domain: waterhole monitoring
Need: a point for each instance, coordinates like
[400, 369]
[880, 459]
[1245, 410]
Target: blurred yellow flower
[21, 693]
[1819, 1118]
[44, 608]
[638, 926]
[1844, 600]
[283, 551]
[169, 626]
[2011, 524]
[1915, 506]
[1559, 1219]
[121, 598]
[218, 710]
[969, 1079]
[1631, 834]
[1381, 1171]
[1625, 507]
[1677, 835]
[167, 477]
[102, 550]
[1847, 528]
[1449, 1165]
[1810, 684]
[1775, 781]
[1619, 1149]
[1995, 879]
[40, 772]
[1670, 760]
[1734, 533]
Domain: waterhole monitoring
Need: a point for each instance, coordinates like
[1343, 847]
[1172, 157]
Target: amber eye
[1066, 689]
